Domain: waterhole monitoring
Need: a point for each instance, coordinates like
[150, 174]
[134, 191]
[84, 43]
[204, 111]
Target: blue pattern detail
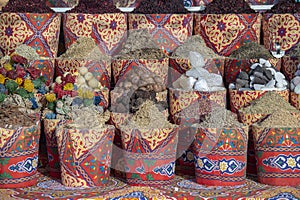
[186, 157]
[29, 165]
[138, 195]
[165, 170]
[204, 163]
[230, 166]
[141, 169]
[283, 162]
[188, 3]
[286, 196]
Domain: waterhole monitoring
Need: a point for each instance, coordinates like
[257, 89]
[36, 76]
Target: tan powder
[148, 117]
[194, 43]
[280, 119]
[220, 118]
[84, 49]
[269, 103]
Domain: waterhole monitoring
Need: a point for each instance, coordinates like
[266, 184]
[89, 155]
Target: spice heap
[140, 45]
[262, 76]
[94, 7]
[194, 43]
[27, 52]
[84, 49]
[92, 117]
[124, 3]
[138, 39]
[145, 53]
[27, 6]
[199, 78]
[161, 7]
[12, 118]
[285, 6]
[220, 118]
[126, 92]
[270, 102]
[148, 116]
[228, 7]
[280, 119]
[251, 50]
[295, 82]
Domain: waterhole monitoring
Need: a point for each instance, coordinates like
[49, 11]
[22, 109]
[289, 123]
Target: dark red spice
[95, 7]
[228, 7]
[161, 7]
[285, 6]
[27, 6]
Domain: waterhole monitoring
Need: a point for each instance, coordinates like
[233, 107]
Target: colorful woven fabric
[39, 31]
[277, 153]
[150, 155]
[85, 156]
[109, 30]
[168, 30]
[281, 28]
[220, 156]
[195, 102]
[227, 32]
[19, 156]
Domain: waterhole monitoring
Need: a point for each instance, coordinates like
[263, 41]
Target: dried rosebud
[69, 79]
[3, 71]
[11, 74]
[18, 59]
[34, 72]
[20, 72]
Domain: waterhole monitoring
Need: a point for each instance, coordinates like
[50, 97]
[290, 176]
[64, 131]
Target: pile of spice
[194, 43]
[132, 90]
[251, 50]
[27, 52]
[220, 118]
[285, 6]
[92, 117]
[95, 7]
[148, 116]
[84, 49]
[27, 6]
[145, 53]
[295, 82]
[228, 7]
[124, 3]
[262, 76]
[138, 39]
[279, 119]
[198, 78]
[11, 117]
[270, 102]
[161, 7]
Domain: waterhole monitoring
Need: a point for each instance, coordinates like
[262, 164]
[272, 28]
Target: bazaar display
[137, 99]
